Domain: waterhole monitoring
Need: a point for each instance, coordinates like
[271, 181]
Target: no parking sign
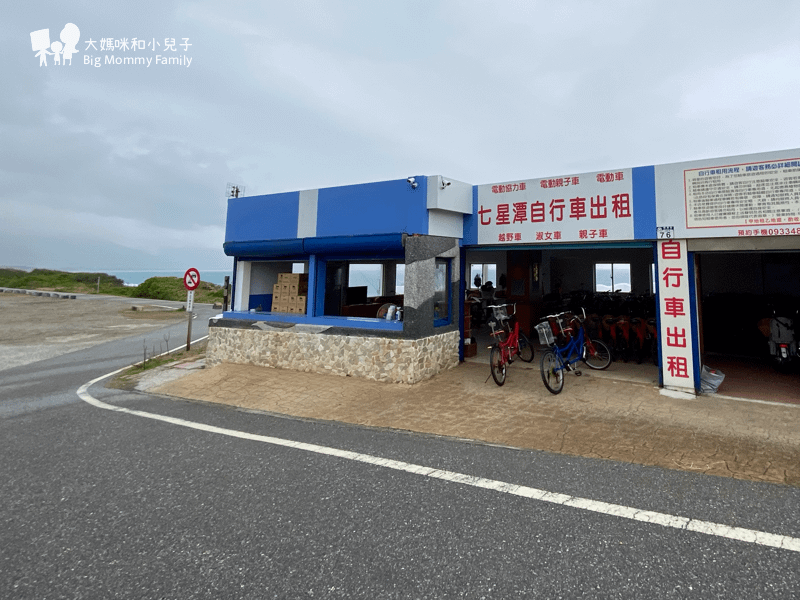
[191, 279]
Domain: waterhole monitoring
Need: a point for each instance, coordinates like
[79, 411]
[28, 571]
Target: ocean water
[132, 278]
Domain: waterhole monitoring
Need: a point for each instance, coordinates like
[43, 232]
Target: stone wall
[381, 359]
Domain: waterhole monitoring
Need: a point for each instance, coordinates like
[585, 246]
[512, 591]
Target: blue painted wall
[272, 217]
[470, 237]
[385, 207]
[364, 209]
[644, 203]
[370, 208]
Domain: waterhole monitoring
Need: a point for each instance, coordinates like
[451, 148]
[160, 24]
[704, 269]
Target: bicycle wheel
[638, 351]
[624, 350]
[596, 355]
[497, 365]
[552, 373]
[525, 348]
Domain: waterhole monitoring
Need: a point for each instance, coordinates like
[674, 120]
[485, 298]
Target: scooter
[782, 344]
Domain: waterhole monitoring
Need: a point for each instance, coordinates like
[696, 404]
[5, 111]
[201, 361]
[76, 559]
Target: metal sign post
[191, 279]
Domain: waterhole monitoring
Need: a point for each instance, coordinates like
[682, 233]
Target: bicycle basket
[500, 313]
[545, 333]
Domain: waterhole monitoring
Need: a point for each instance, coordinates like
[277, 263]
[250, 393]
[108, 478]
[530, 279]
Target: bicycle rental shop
[679, 268]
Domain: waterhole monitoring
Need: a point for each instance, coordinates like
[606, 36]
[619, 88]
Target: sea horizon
[135, 277]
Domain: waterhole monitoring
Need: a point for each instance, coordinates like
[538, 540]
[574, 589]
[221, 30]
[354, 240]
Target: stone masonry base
[380, 359]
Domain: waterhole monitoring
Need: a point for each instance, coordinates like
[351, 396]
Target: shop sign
[752, 196]
[677, 352]
[576, 208]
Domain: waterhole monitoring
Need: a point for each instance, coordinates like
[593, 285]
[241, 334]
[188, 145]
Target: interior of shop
[613, 285]
[739, 292]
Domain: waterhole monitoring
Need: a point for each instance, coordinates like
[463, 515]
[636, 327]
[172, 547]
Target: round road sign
[191, 279]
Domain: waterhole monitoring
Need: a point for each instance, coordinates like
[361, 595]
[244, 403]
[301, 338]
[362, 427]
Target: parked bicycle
[578, 347]
[510, 342]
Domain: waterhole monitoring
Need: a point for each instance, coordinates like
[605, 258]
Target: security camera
[411, 180]
[445, 183]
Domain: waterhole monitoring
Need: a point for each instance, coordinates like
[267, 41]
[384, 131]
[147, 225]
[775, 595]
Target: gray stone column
[421, 254]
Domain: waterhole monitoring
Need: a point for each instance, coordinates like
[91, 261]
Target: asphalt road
[99, 504]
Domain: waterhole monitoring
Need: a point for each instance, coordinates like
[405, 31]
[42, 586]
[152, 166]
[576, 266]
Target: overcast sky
[125, 166]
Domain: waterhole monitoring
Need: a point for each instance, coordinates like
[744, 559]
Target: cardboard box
[293, 278]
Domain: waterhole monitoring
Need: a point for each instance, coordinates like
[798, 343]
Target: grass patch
[171, 288]
[155, 288]
[58, 281]
[128, 379]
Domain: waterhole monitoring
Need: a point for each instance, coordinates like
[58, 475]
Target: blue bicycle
[558, 359]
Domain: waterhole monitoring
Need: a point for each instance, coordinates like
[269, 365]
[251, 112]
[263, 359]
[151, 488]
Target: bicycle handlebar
[567, 312]
[514, 304]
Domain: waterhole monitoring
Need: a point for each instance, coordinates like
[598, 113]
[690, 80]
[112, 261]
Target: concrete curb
[38, 293]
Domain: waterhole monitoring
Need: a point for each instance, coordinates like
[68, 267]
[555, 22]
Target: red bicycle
[510, 342]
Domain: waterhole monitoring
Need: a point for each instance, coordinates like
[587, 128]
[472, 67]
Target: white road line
[751, 536]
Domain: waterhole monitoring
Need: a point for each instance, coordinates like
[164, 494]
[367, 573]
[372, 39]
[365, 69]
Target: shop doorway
[605, 280]
[739, 292]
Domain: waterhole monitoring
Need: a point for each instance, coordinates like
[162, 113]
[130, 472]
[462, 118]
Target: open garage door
[740, 293]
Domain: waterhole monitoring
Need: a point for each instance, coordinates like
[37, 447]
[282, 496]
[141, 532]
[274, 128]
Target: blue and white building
[698, 235]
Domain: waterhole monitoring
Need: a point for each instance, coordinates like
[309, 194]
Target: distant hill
[155, 288]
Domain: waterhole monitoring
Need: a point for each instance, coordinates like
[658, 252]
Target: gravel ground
[37, 328]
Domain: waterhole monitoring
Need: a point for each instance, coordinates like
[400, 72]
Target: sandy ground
[36, 328]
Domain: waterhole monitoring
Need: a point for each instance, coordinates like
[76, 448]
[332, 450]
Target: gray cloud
[129, 164]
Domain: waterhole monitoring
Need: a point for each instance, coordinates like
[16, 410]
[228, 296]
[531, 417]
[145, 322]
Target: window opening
[360, 289]
[653, 287]
[400, 279]
[485, 272]
[266, 291]
[612, 277]
[369, 275]
[441, 292]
